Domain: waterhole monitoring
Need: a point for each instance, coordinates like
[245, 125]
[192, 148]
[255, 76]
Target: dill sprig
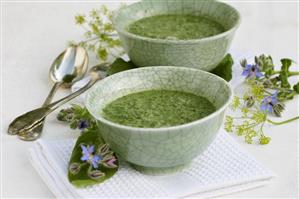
[100, 35]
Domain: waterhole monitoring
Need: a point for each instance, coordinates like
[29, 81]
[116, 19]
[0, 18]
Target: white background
[33, 34]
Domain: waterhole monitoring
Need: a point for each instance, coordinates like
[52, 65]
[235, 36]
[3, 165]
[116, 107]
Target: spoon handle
[30, 120]
[71, 96]
[51, 93]
[35, 132]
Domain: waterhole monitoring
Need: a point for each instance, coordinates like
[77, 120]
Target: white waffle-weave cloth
[222, 169]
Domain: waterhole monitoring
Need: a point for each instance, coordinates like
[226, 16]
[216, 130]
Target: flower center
[90, 158]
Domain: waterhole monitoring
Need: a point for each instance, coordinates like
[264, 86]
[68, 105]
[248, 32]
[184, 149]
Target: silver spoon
[69, 67]
[30, 120]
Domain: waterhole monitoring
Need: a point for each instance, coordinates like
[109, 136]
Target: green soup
[177, 27]
[157, 108]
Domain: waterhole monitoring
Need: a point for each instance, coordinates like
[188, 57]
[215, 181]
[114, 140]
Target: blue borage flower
[252, 71]
[82, 124]
[268, 103]
[89, 156]
[102, 156]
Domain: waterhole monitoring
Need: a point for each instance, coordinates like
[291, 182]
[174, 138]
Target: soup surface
[176, 27]
[157, 108]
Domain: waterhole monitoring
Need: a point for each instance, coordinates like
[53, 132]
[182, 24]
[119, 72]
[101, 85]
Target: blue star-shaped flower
[269, 102]
[252, 71]
[88, 156]
[82, 124]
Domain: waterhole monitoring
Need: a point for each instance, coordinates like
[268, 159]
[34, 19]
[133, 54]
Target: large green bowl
[160, 149]
[202, 54]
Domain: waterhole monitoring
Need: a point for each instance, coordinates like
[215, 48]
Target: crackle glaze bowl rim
[168, 41]
[157, 130]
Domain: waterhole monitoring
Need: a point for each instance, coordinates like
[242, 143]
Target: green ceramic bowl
[156, 150]
[202, 54]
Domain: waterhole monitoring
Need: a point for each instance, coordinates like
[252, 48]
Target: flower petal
[263, 107]
[84, 149]
[245, 72]
[258, 74]
[97, 158]
[91, 149]
[270, 108]
[94, 164]
[84, 157]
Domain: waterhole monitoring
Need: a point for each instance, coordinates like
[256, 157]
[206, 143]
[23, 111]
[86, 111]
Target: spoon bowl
[70, 66]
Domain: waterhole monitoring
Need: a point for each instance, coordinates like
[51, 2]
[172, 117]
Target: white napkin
[222, 169]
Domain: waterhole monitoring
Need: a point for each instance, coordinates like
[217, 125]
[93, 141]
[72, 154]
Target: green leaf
[120, 65]
[296, 88]
[224, 68]
[81, 178]
[73, 124]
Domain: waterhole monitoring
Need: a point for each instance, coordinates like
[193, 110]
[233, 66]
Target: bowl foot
[159, 170]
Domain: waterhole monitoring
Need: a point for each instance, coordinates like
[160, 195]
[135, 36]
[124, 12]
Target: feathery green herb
[101, 37]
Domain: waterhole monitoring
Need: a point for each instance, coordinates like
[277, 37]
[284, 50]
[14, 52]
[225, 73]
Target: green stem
[88, 40]
[261, 129]
[278, 88]
[276, 72]
[268, 92]
[290, 73]
[283, 122]
[83, 164]
[241, 117]
[252, 125]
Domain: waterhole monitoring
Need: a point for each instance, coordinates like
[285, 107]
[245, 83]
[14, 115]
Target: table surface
[34, 33]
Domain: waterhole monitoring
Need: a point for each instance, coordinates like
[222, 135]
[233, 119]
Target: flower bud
[278, 108]
[74, 168]
[96, 174]
[65, 115]
[104, 149]
[243, 63]
[249, 101]
[267, 83]
[110, 161]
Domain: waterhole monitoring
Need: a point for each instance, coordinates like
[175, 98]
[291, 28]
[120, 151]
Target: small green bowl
[159, 150]
[202, 54]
